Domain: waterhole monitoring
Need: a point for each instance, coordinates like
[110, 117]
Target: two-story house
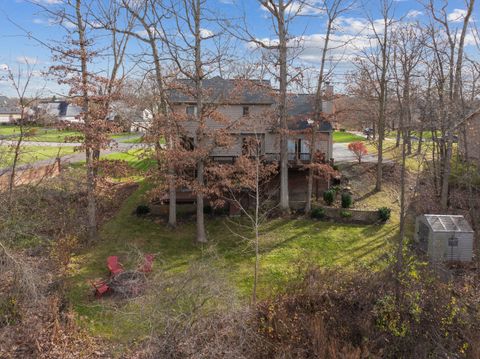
[246, 109]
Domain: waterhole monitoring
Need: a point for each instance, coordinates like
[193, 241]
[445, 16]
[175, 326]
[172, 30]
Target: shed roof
[448, 223]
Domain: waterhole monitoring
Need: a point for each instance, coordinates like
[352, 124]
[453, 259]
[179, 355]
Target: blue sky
[17, 47]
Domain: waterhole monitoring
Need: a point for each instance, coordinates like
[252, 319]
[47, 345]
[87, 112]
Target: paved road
[342, 154]
[117, 146]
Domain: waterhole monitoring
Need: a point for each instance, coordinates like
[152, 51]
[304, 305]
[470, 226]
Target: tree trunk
[284, 193]
[16, 157]
[420, 140]
[90, 162]
[317, 116]
[201, 236]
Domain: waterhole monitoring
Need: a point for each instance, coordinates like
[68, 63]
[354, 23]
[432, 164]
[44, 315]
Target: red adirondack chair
[100, 286]
[114, 266]
[148, 264]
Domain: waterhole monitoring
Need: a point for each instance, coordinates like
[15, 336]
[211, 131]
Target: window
[252, 145]
[246, 111]
[188, 143]
[191, 110]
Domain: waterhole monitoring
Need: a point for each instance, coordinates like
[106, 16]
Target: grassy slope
[30, 154]
[288, 247]
[346, 137]
[413, 163]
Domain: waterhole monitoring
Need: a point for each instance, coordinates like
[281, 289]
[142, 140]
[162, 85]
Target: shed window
[246, 111]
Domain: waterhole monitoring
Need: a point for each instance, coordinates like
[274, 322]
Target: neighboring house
[58, 110]
[469, 139]
[140, 121]
[9, 115]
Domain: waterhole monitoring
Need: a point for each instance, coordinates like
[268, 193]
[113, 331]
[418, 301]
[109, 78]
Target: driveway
[342, 154]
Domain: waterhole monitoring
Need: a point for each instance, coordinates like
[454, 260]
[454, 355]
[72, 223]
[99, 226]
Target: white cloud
[144, 33]
[27, 60]
[343, 47]
[48, 2]
[308, 7]
[4, 67]
[227, 1]
[457, 15]
[414, 13]
[205, 33]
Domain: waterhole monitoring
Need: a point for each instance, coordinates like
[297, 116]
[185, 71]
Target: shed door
[452, 252]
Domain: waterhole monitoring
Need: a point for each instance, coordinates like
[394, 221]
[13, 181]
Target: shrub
[317, 213]
[142, 210]
[336, 189]
[384, 213]
[329, 197]
[346, 214]
[358, 149]
[343, 130]
[207, 209]
[335, 167]
[346, 200]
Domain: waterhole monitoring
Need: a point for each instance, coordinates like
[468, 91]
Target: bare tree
[242, 186]
[382, 36]
[21, 83]
[408, 47]
[92, 91]
[194, 61]
[333, 10]
[150, 16]
[447, 46]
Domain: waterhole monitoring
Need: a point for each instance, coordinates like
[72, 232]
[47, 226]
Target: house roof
[231, 91]
[10, 111]
[301, 108]
[448, 223]
[60, 108]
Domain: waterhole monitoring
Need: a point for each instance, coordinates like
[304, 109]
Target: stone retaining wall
[358, 215]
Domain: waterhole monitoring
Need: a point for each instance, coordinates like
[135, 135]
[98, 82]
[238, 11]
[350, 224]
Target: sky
[20, 17]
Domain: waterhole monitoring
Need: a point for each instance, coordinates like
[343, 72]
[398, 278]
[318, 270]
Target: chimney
[328, 90]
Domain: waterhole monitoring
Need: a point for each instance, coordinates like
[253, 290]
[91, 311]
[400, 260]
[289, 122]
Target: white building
[445, 237]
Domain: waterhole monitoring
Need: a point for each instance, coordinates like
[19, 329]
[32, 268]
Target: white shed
[445, 237]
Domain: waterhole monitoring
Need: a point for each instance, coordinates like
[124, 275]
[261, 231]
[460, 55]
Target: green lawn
[135, 140]
[288, 247]
[346, 137]
[30, 154]
[41, 134]
[7, 130]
